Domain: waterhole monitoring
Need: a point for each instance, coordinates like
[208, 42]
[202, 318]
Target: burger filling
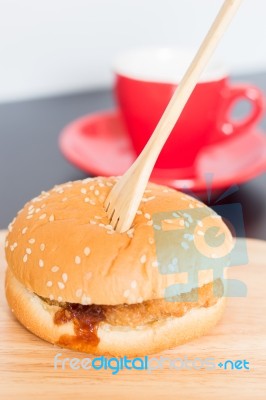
[86, 318]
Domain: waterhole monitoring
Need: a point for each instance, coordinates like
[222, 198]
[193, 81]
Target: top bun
[62, 247]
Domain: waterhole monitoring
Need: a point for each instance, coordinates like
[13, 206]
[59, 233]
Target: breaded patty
[142, 313]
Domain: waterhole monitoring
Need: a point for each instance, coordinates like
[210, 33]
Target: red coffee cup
[145, 82]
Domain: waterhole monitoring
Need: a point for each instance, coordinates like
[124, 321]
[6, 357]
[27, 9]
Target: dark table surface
[30, 160]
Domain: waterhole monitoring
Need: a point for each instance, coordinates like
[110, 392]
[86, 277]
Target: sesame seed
[64, 277]
[146, 199]
[143, 259]
[88, 275]
[87, 180]
[87, 251]
[139, 300]
[101, 184]
[199, 205]
[37, 210]
[139, 212]
[24, 230]
[31, 207]
[28, 251]
[25, 258]
[126, 293]
[149, 223]
[185, 245]
[96, 192]
[49, 283]
[42, 216]
[130, 232]
[93, 222]
[64, 199]
[147, 216]
[51, 218]
[55, 268]
[41, 263]
[42, 246]
[51, 297]
[59, 298]
[133, 284]
[83, 191]
[110, 184]
[200, 233]
[78, 292]
[97, 217]
[60, 285]
[31, 241]
[86, 200]
[91, 187]
[29, 217]
[200, 223]
[77, 260]
[15, 245]
[85, 300]
[61, 191]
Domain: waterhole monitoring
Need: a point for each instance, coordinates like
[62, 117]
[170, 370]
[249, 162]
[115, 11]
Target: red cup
[145, 82]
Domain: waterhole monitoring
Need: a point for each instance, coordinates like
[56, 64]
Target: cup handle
[232, 94]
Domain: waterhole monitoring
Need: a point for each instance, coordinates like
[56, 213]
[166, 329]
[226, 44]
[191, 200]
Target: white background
[55, 46]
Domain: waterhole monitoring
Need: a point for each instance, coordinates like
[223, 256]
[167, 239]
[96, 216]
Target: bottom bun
[38, 317]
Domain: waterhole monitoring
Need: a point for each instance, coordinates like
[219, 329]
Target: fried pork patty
[142, 313]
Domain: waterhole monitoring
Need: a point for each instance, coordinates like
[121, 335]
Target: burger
[76, 282]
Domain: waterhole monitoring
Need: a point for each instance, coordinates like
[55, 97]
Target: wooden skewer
[125, 197]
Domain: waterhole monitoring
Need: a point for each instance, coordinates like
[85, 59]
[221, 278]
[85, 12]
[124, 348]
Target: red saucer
[99, 144]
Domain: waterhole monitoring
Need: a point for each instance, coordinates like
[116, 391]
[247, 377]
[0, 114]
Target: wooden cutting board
[27, 363]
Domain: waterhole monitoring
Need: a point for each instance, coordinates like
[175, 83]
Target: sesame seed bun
[61, 249]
